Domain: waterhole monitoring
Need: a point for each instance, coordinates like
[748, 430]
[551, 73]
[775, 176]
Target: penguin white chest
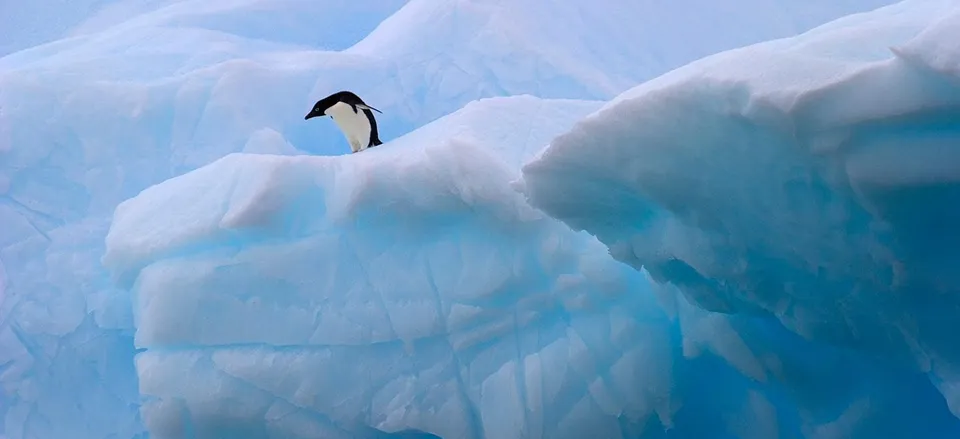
[354, 125]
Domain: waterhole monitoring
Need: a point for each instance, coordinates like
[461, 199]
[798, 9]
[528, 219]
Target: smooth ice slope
[453, 51]
[334, 24]
[144, 91]
[814, 179]
[26, 24]
[330, 24]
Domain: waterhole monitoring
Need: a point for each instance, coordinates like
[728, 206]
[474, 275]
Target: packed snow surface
[254, 285]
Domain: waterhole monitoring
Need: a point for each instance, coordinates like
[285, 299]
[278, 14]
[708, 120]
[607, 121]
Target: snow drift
[813, 179]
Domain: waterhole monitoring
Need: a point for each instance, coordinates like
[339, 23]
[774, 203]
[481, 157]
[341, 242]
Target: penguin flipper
[367, 107]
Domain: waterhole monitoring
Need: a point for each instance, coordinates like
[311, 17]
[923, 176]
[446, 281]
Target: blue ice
[587, 223]
[810, 183]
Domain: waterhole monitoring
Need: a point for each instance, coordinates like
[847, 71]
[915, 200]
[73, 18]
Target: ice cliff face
[812, 180]
[408, 289]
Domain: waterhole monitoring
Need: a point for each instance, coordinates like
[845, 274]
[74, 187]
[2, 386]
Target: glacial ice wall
[813, 180]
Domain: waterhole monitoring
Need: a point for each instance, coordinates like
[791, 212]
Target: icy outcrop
[407, 288]
[813, 179]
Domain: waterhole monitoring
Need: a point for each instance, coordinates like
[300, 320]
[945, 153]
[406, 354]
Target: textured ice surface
[146, 90]
[813, 182]
[408, 289]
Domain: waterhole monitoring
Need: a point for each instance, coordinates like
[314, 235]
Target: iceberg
[812, 181]
[191, 111]
[409, 291]
[405, 289]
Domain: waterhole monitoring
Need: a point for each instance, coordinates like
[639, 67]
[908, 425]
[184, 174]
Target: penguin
[353, 117]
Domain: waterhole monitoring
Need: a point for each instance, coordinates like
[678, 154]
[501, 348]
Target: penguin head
[321, 107]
